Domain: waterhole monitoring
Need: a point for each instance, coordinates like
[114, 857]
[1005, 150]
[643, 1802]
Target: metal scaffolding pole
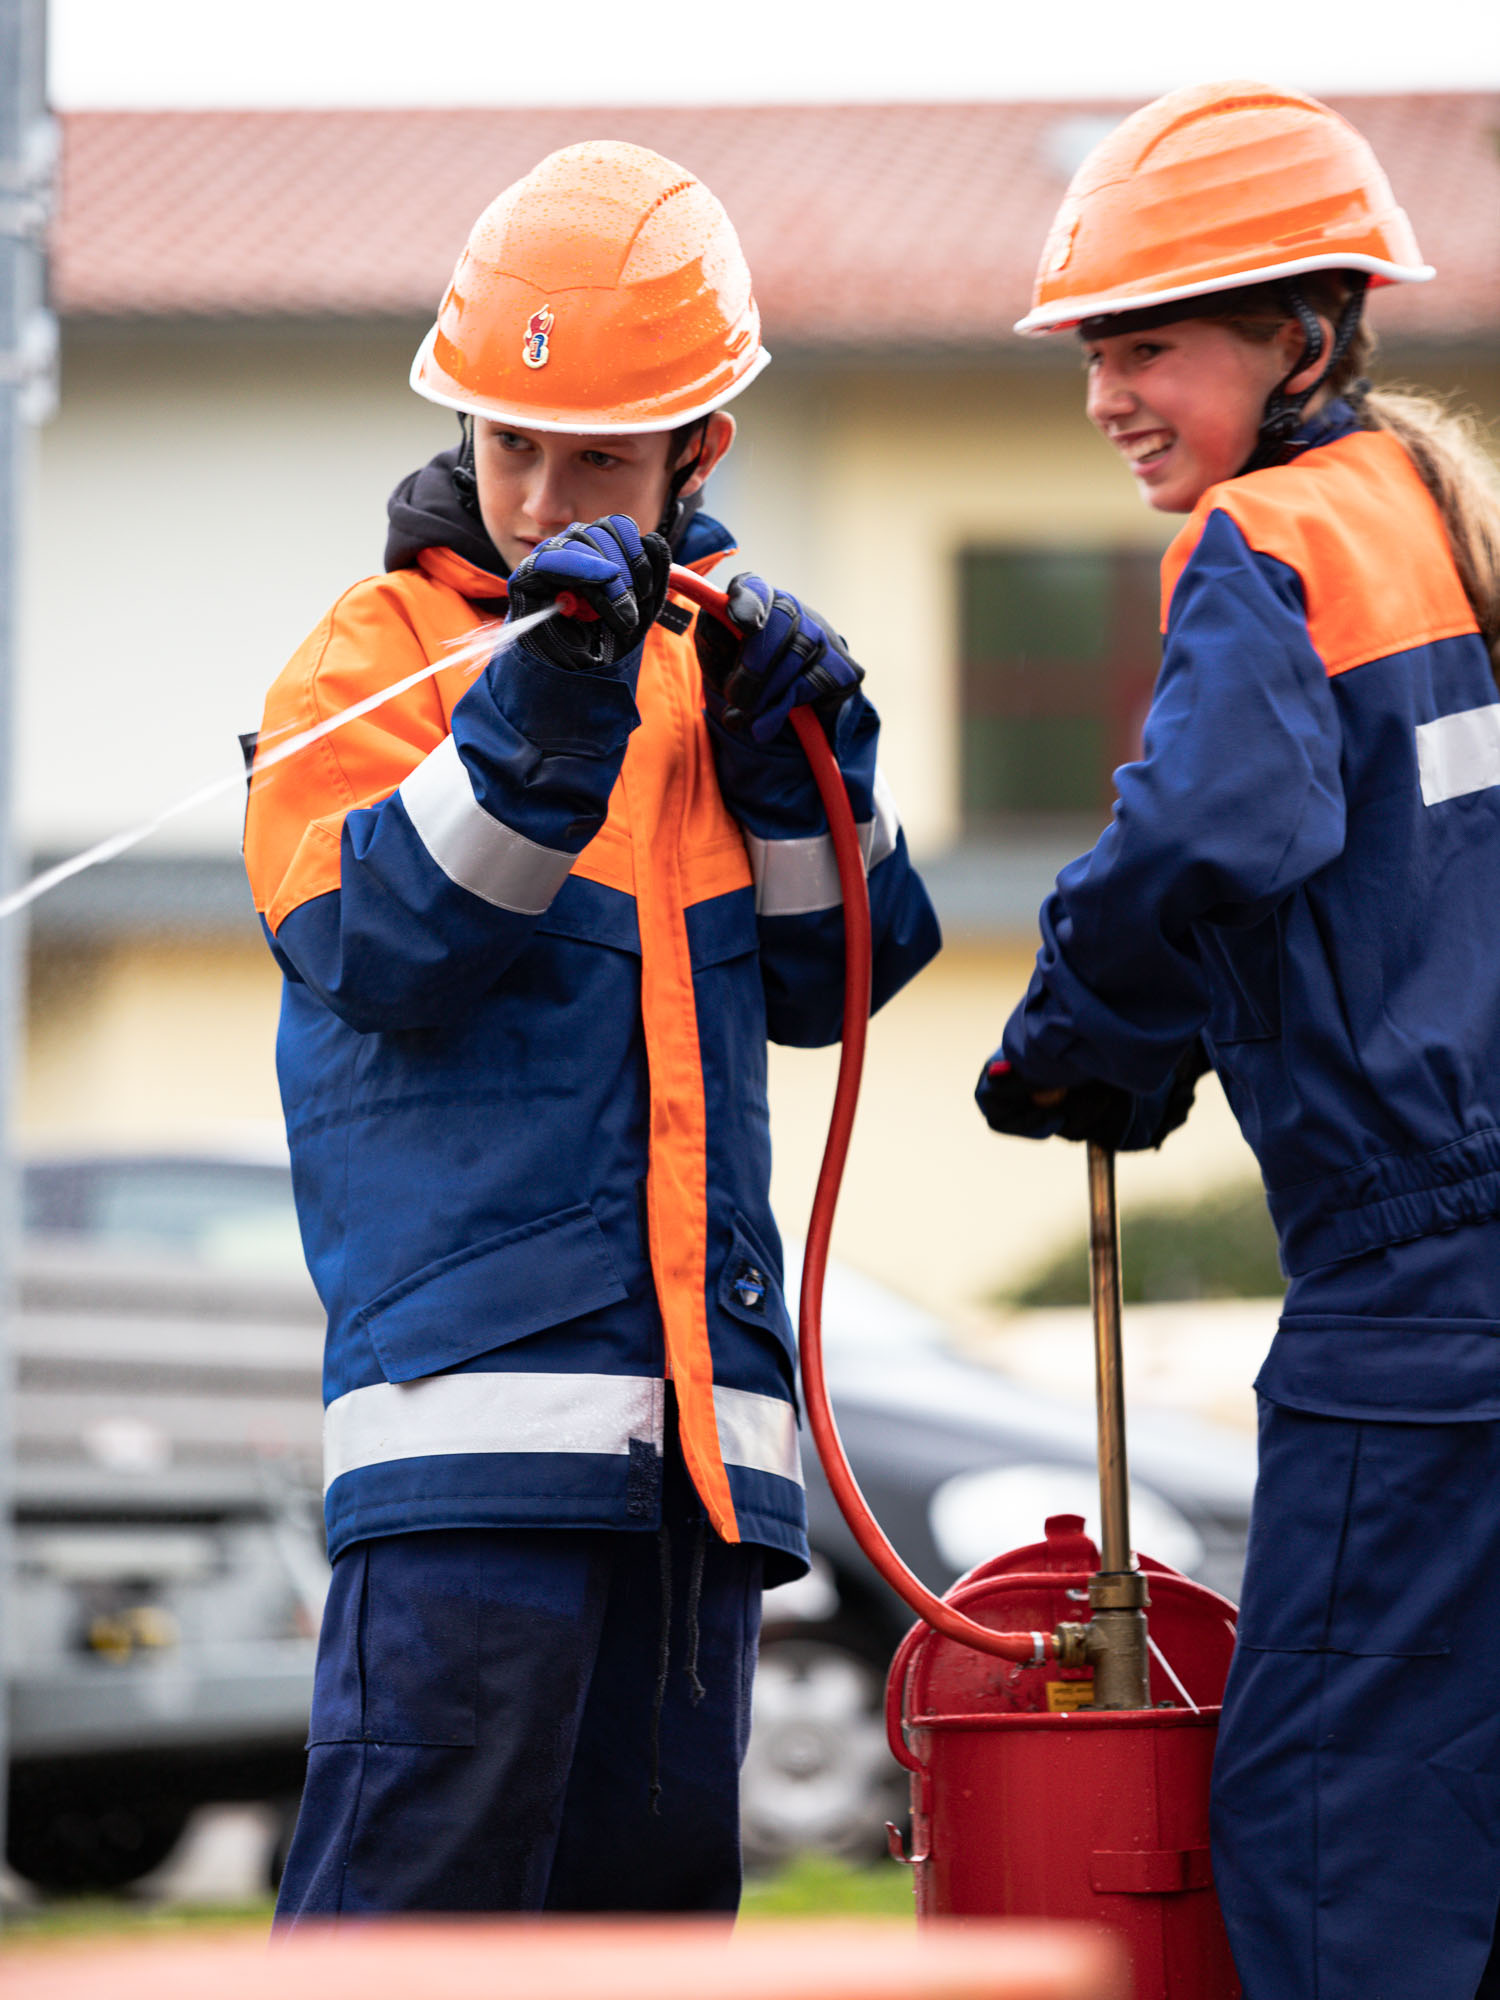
[28, 349]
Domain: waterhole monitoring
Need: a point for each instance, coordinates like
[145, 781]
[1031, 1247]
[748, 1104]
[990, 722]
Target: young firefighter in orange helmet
[1299, 885]
[536, 926]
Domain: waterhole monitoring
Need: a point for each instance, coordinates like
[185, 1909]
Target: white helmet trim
[1059, 317]
[429, 380]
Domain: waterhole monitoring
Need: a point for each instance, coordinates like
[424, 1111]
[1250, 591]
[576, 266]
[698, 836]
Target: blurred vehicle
[170, 1564]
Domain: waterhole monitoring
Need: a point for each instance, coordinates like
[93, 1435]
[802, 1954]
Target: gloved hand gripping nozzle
[608, 582]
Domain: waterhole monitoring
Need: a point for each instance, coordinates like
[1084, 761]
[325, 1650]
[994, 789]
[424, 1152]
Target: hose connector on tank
[1113, 1642]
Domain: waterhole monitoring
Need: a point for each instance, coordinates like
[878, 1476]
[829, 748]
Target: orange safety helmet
[1213, 187]
[605, 291]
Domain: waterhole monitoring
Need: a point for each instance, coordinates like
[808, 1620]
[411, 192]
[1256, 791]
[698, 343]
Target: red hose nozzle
[571, 605]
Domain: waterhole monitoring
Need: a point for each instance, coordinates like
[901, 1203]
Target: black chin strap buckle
[675, 515]
[1283, 411]
[1282, 416]
[465, 479]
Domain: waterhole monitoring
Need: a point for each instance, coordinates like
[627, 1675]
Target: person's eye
[600, 460]
[1147, 350]
[512, 441]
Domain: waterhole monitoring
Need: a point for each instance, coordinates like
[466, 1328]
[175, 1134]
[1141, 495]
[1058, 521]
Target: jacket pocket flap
[491, 1293]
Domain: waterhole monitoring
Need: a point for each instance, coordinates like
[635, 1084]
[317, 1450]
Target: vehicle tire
[818, 1773]
[69, 1849]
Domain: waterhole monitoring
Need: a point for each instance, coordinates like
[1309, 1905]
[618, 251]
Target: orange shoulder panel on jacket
[377, 633]
[1355, 522]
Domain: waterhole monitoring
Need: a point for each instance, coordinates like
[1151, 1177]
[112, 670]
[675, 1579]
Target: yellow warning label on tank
[1064, 1696]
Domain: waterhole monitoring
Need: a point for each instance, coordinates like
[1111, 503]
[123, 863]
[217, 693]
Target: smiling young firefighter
[1299, 885]
[536, 927]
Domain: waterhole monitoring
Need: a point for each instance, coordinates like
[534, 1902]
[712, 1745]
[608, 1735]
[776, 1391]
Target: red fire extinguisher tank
[1027, 1802]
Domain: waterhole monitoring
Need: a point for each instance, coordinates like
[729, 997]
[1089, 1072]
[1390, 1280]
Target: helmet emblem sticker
[534, 348]
[1058, 249]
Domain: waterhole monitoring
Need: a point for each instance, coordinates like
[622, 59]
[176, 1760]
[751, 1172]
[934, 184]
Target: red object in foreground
[1024, 1801]
[555, 1959]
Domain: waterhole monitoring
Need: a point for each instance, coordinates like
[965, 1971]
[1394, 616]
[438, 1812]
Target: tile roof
[893, 226]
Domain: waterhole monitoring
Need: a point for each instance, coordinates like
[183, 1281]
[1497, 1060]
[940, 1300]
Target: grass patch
[1221, 1246]
[815, 1885]
[103, 1917]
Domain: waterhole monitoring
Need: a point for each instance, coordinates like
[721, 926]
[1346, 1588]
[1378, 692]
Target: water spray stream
[473, 651]
[1166, 1666]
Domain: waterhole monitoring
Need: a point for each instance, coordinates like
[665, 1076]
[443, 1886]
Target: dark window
[1060, 650]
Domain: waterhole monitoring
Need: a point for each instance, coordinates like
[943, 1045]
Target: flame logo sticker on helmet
[535, 351]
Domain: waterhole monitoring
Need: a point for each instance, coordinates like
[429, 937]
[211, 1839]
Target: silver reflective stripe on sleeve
[473, 848]
[1459, 753]
[447, 1415]
[795, 878]
[443, 1415]
[758, 1432]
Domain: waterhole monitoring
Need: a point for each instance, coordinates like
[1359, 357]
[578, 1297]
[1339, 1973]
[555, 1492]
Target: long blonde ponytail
[1449, 447]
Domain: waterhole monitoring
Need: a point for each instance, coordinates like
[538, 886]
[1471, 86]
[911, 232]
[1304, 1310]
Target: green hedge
[1221, 1246]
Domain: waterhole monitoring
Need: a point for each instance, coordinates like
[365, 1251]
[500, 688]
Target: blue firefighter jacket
[536, 928]
[1304, 868]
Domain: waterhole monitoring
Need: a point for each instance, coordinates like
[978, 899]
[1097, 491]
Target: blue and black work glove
[784, 656]
[1126, 1121]
[613, 571]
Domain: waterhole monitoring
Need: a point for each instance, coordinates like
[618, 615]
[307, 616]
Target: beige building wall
[200, 502]
[155, 1042]
[201, 498]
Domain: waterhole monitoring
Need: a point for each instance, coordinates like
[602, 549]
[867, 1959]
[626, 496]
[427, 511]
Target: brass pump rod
[1109, 1368]
[1115, 1638]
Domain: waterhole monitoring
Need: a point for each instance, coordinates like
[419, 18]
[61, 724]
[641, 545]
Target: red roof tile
[900, 226]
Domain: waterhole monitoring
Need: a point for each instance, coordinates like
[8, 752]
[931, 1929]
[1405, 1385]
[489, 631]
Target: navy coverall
[537, 928]
[1304, 870]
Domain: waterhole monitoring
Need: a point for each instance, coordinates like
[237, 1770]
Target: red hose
[1031, 1647]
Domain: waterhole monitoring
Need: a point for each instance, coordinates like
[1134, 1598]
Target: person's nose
[1110, 399]
[549, 502]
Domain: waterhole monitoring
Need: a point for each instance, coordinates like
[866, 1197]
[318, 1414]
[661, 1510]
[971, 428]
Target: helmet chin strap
[465, 479]
[1282, 416]
[676, 514]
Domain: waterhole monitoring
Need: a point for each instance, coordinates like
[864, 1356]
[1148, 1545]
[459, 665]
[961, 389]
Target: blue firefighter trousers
[1356, 1816]
[485, 1730]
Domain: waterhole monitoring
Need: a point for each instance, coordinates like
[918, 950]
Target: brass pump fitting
[1072, 1643]
[1113, 1642]
[1118, 1590]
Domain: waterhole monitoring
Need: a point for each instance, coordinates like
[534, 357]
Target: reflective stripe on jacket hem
[795, 878]
[473, 848]
[758, 1432]
[449, 1415]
